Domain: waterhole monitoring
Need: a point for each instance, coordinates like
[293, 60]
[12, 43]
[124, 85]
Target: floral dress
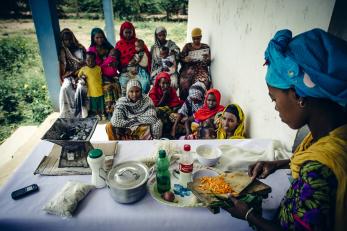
[309, 203]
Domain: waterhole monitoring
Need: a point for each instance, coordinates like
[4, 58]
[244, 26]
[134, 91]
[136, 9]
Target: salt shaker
[96, 160]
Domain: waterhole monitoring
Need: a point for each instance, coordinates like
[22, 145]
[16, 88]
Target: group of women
[171, 103]
[306, 78]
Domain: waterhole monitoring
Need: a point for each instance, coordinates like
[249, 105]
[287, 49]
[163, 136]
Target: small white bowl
[208, 155]
[204, 172]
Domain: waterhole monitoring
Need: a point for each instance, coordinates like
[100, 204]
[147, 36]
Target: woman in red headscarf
[211, 106]
[207, 115]
[126, 47]
[165, 100]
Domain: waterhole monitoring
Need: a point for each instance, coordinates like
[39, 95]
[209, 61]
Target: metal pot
[127, 181]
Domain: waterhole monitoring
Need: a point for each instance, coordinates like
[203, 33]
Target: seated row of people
[162, 114]
[129, 59]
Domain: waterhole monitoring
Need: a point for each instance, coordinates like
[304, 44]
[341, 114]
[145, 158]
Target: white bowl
[204, 172]
[208, 155]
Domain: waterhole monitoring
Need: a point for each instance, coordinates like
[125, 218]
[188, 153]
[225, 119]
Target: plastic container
[186, 166]
[163, 173]
[96, 161]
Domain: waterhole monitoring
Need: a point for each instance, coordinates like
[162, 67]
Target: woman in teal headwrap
[307, 80]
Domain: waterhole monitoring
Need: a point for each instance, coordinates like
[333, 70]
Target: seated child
[92, 75]
[165, 100]
[208, 111]
[206, 130]
[231, 123]
[110, 64]
[138, 66]
[194, 101]
[168, 64]
[111, 86]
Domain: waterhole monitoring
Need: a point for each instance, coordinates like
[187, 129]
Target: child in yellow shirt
[92, 75]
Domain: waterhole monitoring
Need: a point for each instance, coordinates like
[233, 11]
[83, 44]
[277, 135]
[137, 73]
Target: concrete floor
[23, 141]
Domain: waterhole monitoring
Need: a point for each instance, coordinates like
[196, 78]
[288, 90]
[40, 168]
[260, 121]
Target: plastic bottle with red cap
[186, 166]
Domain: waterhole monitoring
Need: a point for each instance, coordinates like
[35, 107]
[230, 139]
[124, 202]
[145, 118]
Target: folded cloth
[237, 158]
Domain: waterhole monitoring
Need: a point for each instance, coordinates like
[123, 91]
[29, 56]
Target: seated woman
[194, 101]
[165, 100]
[307, 80]
[207, 112]
[231, 123]
[157, 57]
[134, 116]
[126, 47]
[195, 67]
[71, 58]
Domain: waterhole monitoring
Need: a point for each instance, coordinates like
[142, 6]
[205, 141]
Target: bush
[15, 53]
[23, 91]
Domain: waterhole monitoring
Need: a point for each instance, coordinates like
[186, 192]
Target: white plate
[186, 201]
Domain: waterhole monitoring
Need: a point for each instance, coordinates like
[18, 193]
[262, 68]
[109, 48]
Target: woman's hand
[261, 169]
[239, 208]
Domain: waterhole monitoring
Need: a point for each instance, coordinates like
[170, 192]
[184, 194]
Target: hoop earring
[301, 103]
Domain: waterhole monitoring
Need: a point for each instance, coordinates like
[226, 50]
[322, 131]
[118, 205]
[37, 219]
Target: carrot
[215, 185]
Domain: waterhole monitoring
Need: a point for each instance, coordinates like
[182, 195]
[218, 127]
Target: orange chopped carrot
[215, 185]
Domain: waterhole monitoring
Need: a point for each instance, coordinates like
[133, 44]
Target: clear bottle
[186, 166]
[163, 173]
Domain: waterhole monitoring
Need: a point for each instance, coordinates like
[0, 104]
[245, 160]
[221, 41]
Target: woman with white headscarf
[134, 116]
[161, 41]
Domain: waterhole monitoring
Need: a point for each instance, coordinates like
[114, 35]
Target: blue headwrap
[314, 63]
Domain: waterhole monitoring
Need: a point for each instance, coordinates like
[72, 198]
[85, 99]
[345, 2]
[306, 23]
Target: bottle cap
[186, 147]
[162, 154]
[95, 153]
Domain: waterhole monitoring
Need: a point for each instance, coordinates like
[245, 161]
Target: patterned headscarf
[314, 63]
[128, 114]
[197, 91]
[133, 83]
[68, 59]
[195, 99]
[239, 132]
[157, 31]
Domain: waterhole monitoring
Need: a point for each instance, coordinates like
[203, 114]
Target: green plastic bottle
[163, 173]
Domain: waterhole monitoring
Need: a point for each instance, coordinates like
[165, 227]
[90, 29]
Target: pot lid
[128, 175]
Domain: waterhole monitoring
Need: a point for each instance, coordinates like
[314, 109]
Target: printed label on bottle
[186, 168]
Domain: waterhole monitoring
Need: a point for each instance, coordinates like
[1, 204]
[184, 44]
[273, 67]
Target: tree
[171, 6]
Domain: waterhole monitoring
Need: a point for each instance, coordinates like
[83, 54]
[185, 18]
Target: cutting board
[240, 182]
[237, 180]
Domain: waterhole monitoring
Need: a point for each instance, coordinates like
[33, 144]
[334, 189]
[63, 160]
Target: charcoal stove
[73, 135]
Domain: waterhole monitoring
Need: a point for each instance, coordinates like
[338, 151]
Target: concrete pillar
[108, 16]
[46, 22]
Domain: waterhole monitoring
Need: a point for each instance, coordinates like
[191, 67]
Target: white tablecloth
[99, 212]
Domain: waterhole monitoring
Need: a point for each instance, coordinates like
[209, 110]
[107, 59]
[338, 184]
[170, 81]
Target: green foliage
[15, 53]
[23, 92]
[173, 6]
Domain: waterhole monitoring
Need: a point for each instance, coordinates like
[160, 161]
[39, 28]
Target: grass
[29, 81]
[82, 28]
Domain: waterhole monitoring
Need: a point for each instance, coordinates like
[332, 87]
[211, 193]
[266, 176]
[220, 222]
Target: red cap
[186, 147]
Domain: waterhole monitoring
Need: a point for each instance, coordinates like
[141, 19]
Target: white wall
[238, 32]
